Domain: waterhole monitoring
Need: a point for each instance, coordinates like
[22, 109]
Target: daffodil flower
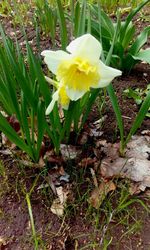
[80, 69]
[60, 96]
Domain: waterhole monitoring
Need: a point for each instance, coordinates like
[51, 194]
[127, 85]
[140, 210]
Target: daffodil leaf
[143, 55]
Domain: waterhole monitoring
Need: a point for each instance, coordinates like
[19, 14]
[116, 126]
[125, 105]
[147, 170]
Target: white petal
[54, 58]
[87, 47]
[107, 74]
[52, 103]
[74, 95]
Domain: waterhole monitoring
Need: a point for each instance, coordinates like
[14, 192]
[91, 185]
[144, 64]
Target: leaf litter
[100, 192]
[134, 166]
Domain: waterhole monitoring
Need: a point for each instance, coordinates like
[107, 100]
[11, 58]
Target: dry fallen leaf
[3, 243]
[100, 192]
[69, 152]
[87, 162]
[95, 132]
[99, 121]
[6, 152]
[59, 203]
[57, 208]
[83, 138]
[56, 177]
[14, 122]
[135, 165]
[41, 162]
[146, 132]
[50, 157]
[134, 188]
[7, 142]
[62, 194]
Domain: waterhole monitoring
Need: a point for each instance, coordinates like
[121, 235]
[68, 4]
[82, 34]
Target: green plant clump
[138, 95]
[25, 94]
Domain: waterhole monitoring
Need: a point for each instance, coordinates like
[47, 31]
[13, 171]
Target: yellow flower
[80, 69]
[60, 95]
[78, 74]
[64, 99]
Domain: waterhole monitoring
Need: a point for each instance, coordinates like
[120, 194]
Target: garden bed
[82, 226]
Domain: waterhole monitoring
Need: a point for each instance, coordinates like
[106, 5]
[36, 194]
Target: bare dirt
[82, 227]
[76, 230]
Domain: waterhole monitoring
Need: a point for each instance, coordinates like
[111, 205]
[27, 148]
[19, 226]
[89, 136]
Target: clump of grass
[119, 209]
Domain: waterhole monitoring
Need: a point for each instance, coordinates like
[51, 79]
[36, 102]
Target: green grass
[119, 207]
[2, 170]
[18, 11]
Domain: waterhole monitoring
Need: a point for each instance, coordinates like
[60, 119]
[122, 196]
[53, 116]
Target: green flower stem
[111, 91]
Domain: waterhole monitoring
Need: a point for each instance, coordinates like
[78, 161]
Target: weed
[2, 170]
[118, 206]
[138, 95]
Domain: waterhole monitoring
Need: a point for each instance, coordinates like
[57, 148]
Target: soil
[81, 227]
[129, 108]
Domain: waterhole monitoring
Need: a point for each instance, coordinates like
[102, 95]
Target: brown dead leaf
[59, 203]
[138, 147]
[61, 170]
[69, 152]
[87, 162]
[7, 142]
[147, 193]
[134, 188]
[101, 143]
[42, 149]
[2, 241]
[95, 132]
[97, 152]
[100, 121]
[134, 166]
[14, 122]
[56, 177]
[100, 192]
[41, 162]
[57, 208]
[6, 152]
[62, 194]
[83, 138]
[56, 171]
[52, 158]
[97, 165]
[146, 132]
